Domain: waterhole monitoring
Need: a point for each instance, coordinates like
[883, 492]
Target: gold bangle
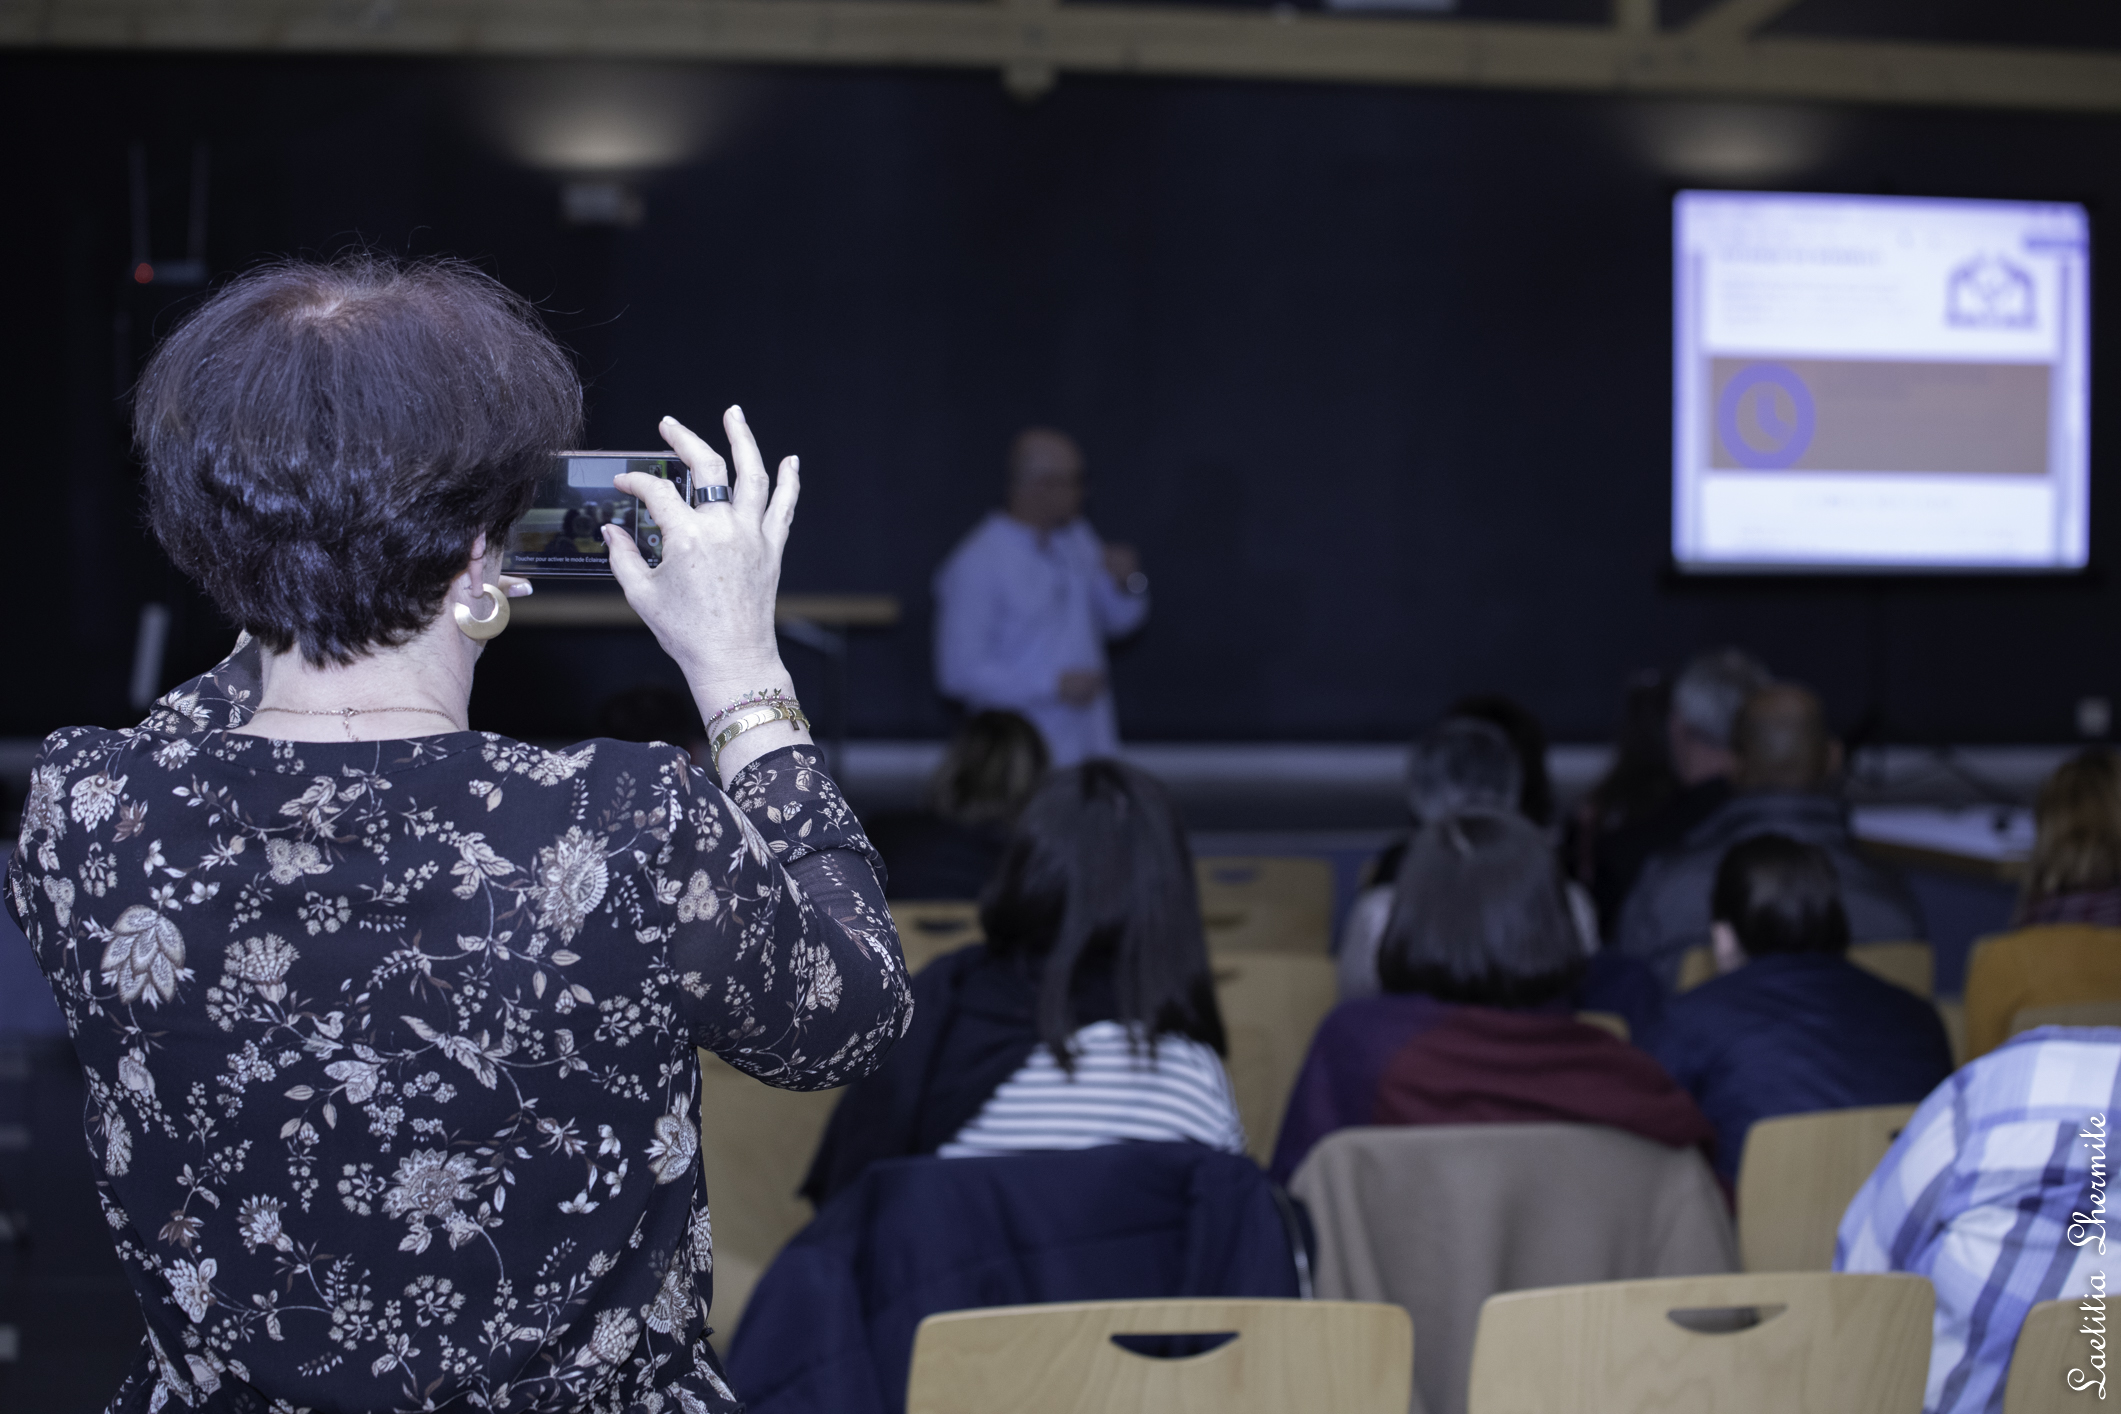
[785, 712]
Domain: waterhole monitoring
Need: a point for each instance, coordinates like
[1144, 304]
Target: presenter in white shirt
[1026, 601]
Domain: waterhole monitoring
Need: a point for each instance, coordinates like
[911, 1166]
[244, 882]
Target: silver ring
[716, 492]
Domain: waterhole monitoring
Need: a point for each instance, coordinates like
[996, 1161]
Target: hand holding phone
[561, 536]
[709, 601]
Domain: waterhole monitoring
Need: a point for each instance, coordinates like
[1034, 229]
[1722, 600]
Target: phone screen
[562, 535]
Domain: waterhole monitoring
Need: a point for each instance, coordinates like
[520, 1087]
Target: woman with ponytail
[1087, 1016]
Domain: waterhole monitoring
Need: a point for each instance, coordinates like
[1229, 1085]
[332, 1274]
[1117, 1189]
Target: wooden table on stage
[604, 609]
[819, 622]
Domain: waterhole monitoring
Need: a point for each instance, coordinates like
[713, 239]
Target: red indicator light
[143, 273]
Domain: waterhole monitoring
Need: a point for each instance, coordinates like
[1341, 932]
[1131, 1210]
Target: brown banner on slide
[1806, 414]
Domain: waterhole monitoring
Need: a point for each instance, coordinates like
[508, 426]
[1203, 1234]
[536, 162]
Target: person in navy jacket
[1791, 1025]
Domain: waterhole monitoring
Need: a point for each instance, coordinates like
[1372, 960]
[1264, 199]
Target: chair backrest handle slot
[1723, 1320]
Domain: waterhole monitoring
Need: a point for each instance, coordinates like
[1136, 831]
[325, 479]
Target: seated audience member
[2067, 947]
[1518, 724]
[1088, 1015]
[1981, 1192]
[1792, 1025]
[2074, 875]
[1704, 702]
[1478, 962]
[1635, 787]
[950, 849]
[1787, 766]
[1470, 763]
[1458, 764]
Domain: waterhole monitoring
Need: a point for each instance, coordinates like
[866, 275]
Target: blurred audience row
[1088, 1015]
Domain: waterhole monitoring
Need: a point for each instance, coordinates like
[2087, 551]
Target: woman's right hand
[710, 601]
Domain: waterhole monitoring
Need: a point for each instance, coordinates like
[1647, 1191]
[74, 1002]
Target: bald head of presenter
[388, 1025]
[1027, 601]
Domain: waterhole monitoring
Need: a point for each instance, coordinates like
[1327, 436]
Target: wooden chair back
[1797, 1177]
[2066, 1014]
[1758, 1343]
[1611, 1021]
[1271, 1005]
[928, 928]
[1952, 1012]
[1266, 903]
[2051, 1345]
[1696, 966]
[1911, 965]
[756, 1143]
[1346, 1356]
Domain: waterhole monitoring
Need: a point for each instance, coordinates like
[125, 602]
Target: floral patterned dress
[389, 1045]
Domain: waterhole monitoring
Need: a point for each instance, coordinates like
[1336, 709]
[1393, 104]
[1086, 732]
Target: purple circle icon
[1783, 411]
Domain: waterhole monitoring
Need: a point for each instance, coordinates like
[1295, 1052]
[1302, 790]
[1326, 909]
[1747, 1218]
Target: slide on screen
[1879, 383]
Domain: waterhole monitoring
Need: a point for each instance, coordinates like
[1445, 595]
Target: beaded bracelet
[784, 711]
[752, 699]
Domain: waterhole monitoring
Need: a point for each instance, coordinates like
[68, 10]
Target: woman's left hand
[710, 601]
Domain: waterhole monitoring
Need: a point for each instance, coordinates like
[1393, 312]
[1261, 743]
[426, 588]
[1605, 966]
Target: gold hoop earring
[471, 626]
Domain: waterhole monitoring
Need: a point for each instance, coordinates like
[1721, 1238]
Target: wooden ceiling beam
[1030, 41]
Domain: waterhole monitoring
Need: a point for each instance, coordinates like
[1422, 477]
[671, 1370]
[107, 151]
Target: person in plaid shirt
[1996, 1192]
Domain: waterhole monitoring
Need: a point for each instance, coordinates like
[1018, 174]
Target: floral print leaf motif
[262, 964]
[359, 1078]
[677, 1139]
[427, 1187]
[258, 1220]
[289, 860]
[477, 863]
[132, 818]
[294, 1195]
[60, 891]
[192, 1285]
[571, 879]
[95, 797]
[145, 957]
[478, 1056]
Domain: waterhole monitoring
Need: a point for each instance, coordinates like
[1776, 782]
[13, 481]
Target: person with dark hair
[1792, 1025]
[1701, 714]
[1088, 1015]
[1638, 785]
[390, 1026]
[1478, 964]
[950, 850]
[1518, 723]
[1469, 762]
[1027, 601]
[1788, 769]
[1459, 764]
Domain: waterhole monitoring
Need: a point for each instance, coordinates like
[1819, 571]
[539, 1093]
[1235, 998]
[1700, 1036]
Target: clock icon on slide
[1766, 417]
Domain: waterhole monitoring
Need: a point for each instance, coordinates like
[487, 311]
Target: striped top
[1117, 1093]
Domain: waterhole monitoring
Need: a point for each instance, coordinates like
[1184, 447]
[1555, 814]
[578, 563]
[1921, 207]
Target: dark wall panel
[1378, 379]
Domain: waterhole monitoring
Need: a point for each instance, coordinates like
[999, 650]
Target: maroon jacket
[1411, 1059]
[1484, 1065]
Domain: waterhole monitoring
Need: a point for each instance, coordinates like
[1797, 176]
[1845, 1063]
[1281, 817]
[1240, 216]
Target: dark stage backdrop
[1377, 379]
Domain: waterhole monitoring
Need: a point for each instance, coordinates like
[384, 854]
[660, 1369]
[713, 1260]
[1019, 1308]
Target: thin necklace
[347, 714]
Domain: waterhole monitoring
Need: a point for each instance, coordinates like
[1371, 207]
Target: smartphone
[562, 535]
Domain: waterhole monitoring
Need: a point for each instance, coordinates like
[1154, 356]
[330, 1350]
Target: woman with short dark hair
[1478, 961]
[1792, 1026]
[950, 849]
[388, 1025]
[1088, 1015]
